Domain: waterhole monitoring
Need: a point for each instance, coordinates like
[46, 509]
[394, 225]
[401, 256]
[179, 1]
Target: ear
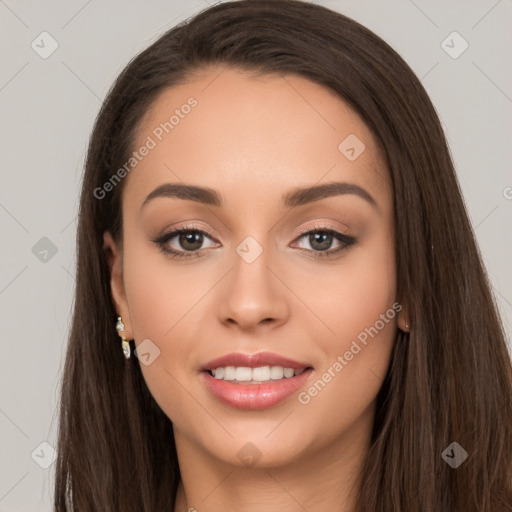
[115, 262]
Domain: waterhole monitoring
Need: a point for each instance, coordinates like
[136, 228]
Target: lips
[254, 395]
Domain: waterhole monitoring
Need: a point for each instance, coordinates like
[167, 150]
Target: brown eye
[189, 240]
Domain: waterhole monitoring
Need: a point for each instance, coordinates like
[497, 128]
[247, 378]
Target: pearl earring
[124, 343]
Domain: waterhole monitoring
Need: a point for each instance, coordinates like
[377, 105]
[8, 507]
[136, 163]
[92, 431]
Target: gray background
[47, 110]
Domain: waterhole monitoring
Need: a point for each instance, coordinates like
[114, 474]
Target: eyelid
[318, 227]
[171, 233]
[190, 227]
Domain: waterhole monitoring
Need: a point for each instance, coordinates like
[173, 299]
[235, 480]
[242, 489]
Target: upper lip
[253, 361]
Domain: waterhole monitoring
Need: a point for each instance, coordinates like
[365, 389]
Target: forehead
[225, 128]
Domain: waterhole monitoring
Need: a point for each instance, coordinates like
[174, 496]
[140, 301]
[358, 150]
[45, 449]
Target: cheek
[361, 313]
[160, 302]
[161, 292]
[350, 295]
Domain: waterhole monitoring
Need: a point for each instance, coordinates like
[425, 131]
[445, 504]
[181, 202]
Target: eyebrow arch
[203, 195]
[301, 196]
[294, 198]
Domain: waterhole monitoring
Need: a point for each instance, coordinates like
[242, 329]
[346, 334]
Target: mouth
[256, 381]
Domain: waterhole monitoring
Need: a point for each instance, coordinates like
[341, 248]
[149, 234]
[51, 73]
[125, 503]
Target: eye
[189, 240]
[321, 239]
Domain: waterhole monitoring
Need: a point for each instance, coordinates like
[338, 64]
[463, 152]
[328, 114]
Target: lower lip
[254, 396]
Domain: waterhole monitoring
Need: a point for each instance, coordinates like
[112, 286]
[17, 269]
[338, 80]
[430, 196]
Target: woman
[271, 218]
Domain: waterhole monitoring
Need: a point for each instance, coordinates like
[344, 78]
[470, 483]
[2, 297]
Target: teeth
[261, 374]
[254, 375]
[229, 373]
[243, 373]
[289, 372]
[276, 372]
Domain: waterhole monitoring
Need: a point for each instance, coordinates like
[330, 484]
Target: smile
[254, 381]
[247, 375]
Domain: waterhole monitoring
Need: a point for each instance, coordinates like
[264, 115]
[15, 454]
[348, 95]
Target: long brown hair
[449, 379]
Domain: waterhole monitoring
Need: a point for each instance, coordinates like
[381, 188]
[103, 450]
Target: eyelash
[164, 239]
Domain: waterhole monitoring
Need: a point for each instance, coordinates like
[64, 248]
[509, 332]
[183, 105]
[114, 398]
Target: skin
[254, 139]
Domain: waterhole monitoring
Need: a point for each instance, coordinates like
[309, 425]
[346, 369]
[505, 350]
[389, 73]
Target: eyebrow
[294, 198]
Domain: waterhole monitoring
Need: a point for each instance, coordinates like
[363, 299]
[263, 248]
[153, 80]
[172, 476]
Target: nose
[252, 295]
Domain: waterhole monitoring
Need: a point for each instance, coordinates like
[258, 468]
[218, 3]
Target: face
[262, 273]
